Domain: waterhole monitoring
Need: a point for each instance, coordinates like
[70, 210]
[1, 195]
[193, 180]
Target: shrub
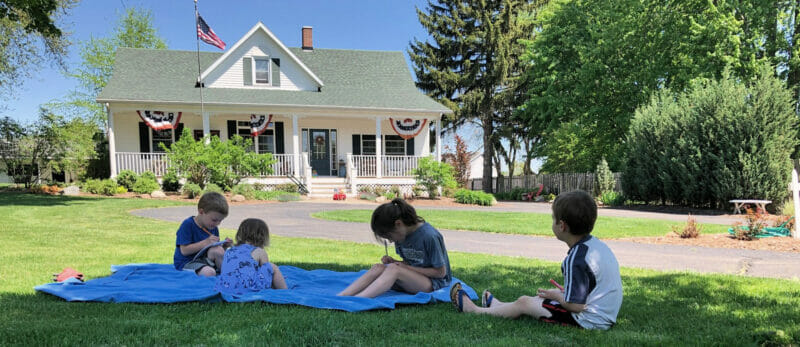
[192, 190]
[121, 190]
[378, 190]
[223, 163]
[365, 189]
[211, 187]
[755, 222]
[417, 190]
[367, 196]
[719, 140]
[604, 177]
[432, 174]
[145, 185]
[287, 187]
[170, 182]
[549, 197]
[389, 196]
[286, 197]
[148, 175]
[473, 197]
[612, 198]
[104, 187]
[244, 189]
[690, 230]
[127, 179]
[395, 190]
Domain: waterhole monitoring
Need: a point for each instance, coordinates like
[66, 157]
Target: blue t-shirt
[425, 248]
[189, 232]
[591, 277]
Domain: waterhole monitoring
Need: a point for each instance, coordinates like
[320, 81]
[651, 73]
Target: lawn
[43, 234]
[526, 223]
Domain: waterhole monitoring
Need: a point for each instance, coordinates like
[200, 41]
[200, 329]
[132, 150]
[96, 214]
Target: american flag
[207, 35]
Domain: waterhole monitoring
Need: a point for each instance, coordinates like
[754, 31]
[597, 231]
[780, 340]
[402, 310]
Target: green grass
[44, 234]
[526, 223]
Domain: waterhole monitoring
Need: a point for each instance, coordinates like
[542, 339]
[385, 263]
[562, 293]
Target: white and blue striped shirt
[591, 277]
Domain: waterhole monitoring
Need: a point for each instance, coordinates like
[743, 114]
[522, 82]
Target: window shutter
[279, 138]
[356, 144]
[178, 132]
[231, 129]
[276, 72]
[247, 71]
[410, 146]
[144, 138]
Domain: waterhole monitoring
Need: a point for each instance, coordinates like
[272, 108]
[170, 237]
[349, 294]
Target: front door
[320, 151]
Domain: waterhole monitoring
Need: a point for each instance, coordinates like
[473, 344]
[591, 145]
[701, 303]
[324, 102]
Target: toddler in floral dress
[246, 267]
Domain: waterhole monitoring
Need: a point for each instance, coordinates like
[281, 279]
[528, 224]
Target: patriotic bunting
[158, 120]
[407, 128]
[259, 123]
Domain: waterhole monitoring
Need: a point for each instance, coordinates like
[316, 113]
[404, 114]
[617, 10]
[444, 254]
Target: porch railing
[284, 165]
[142, 162]
[398, 165]
[391, 165]
[158, 163]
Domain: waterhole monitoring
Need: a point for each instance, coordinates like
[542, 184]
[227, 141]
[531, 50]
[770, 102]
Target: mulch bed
[778, 244]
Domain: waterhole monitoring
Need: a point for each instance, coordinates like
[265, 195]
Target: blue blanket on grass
[161, 283]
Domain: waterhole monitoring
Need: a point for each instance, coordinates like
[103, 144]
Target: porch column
[112, 145]
[378, 161]
[296, 146]
[206, 128]
[439, 139]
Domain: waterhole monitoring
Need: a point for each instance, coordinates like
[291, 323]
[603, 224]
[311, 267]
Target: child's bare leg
[207, 271]
[410, 281]
[525, 305]
[216, 254]
[363, 281]
[278, 282]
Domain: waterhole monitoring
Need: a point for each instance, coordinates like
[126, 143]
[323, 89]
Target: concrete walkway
[293, 220]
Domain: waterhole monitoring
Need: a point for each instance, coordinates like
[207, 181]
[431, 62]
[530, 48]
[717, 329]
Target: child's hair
[384, 216]
[576, 208]
[213, 202]
[253, 231]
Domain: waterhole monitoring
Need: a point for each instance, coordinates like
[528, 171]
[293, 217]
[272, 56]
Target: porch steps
[322, 187]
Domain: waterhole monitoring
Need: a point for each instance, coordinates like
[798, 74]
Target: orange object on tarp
[338, 194]
[67, 274]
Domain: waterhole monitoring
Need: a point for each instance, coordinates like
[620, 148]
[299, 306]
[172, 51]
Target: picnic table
[739, 203]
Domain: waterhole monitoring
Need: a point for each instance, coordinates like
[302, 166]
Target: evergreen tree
[472, 65]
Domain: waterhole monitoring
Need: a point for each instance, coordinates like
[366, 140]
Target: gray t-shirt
[591, 277]
[425, 248]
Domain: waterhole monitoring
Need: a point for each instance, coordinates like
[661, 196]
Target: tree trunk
[488, 153]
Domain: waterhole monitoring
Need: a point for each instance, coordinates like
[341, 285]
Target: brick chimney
[307, 42]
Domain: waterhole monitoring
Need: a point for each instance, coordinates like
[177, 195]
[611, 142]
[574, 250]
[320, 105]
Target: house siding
[229, 74]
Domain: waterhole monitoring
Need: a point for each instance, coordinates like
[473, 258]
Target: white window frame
[255, 139]
[153, 148]
[383, 144]
[269, 71]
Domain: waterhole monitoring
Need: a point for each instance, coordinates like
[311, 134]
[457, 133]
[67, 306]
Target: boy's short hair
[576, 208]
[213, 202]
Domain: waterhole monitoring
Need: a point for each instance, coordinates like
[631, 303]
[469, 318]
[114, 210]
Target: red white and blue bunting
[159, 120]
[259, 123]
[407, 128]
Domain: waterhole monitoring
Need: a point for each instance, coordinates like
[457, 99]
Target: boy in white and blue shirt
[592, 292]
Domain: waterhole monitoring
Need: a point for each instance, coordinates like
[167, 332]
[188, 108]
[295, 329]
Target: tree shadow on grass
[42, 200]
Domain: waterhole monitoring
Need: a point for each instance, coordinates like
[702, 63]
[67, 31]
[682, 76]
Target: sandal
[486, 299]
[456, 297]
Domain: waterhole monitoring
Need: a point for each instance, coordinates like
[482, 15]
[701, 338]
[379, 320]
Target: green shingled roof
[358, 79]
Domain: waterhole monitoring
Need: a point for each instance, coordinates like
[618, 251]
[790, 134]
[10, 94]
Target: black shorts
[559, 315]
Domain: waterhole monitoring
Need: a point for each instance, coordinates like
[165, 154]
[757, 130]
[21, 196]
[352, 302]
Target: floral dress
[241, 273]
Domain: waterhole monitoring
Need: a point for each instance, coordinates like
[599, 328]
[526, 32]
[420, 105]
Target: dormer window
[261, 70]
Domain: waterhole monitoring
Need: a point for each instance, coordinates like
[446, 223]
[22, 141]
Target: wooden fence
[554, 183]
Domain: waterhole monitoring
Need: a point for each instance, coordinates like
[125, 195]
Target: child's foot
[487, 298]
[460, 299]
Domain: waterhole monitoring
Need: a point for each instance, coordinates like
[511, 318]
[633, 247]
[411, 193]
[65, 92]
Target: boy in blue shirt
[198, 232]
[592, 292]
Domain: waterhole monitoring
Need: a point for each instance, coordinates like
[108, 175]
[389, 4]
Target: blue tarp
[161, 283]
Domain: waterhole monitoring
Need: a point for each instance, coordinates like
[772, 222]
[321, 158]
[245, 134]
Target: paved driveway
[293, 220]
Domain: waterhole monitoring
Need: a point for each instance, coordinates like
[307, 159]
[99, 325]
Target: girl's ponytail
[384, 217]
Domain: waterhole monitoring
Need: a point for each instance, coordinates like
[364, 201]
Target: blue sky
[386, 25]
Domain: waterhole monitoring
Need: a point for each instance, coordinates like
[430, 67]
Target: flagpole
[199, 75]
